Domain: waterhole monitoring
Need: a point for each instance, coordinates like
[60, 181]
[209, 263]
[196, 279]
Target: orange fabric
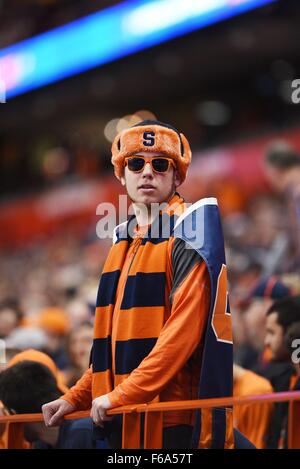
[3, 430]
[171, 377]
[229, 439]
[4, 439]
[80, 395]
[252, 419]
[266, 355]
[206, 428]
[293, 380]
[44, 359]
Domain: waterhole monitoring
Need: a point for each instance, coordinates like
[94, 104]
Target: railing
[154, 414]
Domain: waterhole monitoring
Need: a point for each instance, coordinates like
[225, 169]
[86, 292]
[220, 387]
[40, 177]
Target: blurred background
[74, 74]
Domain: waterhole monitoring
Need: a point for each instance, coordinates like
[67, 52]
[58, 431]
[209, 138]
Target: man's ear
[177, 178]
[122, 180]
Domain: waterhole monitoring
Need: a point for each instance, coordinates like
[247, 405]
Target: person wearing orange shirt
[24, 387]
[252, 419]
[280, 317]
[38, 357]
[162, 324]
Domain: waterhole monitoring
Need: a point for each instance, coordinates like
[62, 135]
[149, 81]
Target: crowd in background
[48, 293]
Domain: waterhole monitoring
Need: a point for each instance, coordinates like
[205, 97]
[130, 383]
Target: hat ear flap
[187, 154]
[115, 159]
[116, 146]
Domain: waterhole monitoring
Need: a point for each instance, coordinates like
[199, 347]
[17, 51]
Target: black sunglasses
[159, 164]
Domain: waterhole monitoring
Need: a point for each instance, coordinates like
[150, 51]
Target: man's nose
[147, 171]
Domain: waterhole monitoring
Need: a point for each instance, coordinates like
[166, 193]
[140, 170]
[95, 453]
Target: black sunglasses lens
[160, 165]
[136, 164]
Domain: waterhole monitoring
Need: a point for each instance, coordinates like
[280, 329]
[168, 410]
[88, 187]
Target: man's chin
[146, 199]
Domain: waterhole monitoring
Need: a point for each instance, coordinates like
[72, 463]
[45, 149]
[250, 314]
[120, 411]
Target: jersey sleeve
[80, 395]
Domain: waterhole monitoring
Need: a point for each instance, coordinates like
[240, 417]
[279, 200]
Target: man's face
[255, 321]
[147, 186]
[274, 338]
[8, 322]
[274, 176]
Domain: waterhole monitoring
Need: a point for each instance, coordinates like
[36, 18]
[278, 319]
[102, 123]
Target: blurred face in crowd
[78, 312]
[148, 186]
[54, 342]
[255, 322]
[80, 343]
[8, 322]
[274, 338]
[275, 177]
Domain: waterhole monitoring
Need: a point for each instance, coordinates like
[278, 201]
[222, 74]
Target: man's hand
[54, 411]
[99, 407]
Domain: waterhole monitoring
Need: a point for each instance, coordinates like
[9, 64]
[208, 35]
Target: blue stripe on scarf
[102, 354]
[130, 353]
[107, 288]
[144, 290]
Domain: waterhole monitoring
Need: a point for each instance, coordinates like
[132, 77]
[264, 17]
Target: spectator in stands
[24, 338]
[253, 354]
[10, 317]
[24, 388]
[78, 349]
[292, 341]
[138, 357]
[281, 316]
[282, 166]
[56, 324]
[252, 419]
[33, 356]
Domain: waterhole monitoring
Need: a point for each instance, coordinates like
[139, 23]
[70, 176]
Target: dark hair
[26, 386]
[287, 309]
[13, 305]
[292, 333]
[281, 155]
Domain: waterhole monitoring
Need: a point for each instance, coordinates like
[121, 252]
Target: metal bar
[293, 425]
[15, 438]
[153, 430]
[168, 406]
[209, 403]
[131, 430]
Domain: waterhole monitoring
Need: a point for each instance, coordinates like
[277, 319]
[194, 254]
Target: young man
[252, 419]
[253, 355]
[280, 317]
[24, 388]
[292, 342]
[162, 325]
[282, 168]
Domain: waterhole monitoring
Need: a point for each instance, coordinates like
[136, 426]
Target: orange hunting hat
[151, 136]
[44, 359]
